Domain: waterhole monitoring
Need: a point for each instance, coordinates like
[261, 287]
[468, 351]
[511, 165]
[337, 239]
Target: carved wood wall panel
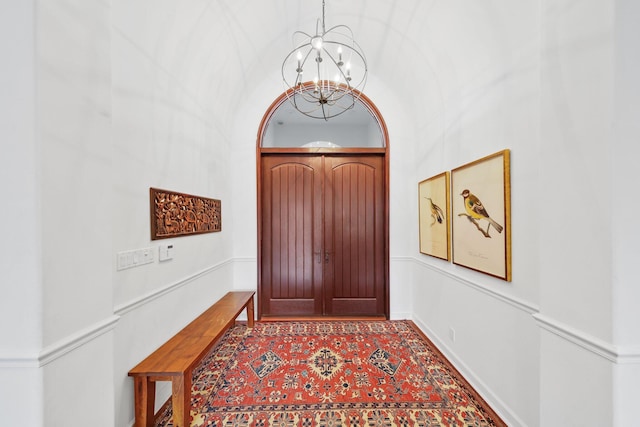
[177, 214]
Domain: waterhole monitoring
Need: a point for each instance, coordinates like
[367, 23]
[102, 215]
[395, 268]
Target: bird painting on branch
[476, 211]
[436, 212]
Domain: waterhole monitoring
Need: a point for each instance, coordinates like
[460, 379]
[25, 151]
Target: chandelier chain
[324, 30]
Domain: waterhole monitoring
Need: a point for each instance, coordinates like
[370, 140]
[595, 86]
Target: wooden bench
[175, 359]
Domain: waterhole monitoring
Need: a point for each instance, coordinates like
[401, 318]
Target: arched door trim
[260, 152]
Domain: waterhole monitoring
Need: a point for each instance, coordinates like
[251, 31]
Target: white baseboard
[487, 394]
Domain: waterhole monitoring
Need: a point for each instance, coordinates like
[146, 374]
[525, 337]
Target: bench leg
[181, 400]
[250, 314]
[144, 398]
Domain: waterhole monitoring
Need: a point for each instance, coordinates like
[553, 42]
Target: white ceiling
[224, 52]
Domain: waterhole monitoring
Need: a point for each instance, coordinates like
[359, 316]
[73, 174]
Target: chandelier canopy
[325, 72]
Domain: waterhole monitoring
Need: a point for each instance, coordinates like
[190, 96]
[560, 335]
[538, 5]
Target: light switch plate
[134, 258]
[165, 252]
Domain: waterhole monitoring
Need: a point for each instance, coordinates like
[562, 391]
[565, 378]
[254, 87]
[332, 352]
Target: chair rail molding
[515, 302]
[133, 304]
[61, 347]
[621, 355]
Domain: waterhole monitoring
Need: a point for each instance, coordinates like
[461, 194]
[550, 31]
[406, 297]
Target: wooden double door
[322, 242]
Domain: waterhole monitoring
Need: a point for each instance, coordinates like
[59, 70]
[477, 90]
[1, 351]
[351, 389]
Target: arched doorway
[323, 213]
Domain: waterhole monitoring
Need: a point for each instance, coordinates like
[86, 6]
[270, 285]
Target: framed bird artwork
[481, 215]
[433, 202]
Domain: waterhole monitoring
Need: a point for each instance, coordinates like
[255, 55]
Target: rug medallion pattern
[339, 373]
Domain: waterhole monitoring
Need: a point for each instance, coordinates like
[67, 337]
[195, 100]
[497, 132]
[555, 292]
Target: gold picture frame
[434, 216]
[176, 214]
[481, 215]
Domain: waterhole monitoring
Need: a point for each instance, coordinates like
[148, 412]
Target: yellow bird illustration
[476, 210]
[436, 212]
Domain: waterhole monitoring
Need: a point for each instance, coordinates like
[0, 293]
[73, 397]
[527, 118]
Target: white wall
[575, 261]
[101, 114]
[545, 89]
[73, 84]
[60, 144]
[20, 254]
[168, 134]
[625, 227]
[483, 97]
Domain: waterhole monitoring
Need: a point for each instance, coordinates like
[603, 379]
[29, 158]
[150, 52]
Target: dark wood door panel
[354, 277]
[291, 236]
[355, 307]
[323, 236]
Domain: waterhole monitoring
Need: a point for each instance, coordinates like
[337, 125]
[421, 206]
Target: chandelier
[326, 72]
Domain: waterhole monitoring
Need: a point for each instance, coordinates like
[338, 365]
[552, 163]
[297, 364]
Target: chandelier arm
[336, 63]
[313, 113]
[318, 74]
[338, 90]
[308, 36]
[360, 53]
[362, 81]
[335, 27]
[354, 49]
[303, 60]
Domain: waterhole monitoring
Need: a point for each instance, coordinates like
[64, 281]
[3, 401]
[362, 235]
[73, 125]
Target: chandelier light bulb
[316, 42]
[299, 57]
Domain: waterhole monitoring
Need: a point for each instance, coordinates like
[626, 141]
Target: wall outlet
[452, 334]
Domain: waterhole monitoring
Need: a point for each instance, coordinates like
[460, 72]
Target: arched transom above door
[361, 127]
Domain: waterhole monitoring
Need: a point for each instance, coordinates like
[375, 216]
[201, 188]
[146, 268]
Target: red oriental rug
[333, 373]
